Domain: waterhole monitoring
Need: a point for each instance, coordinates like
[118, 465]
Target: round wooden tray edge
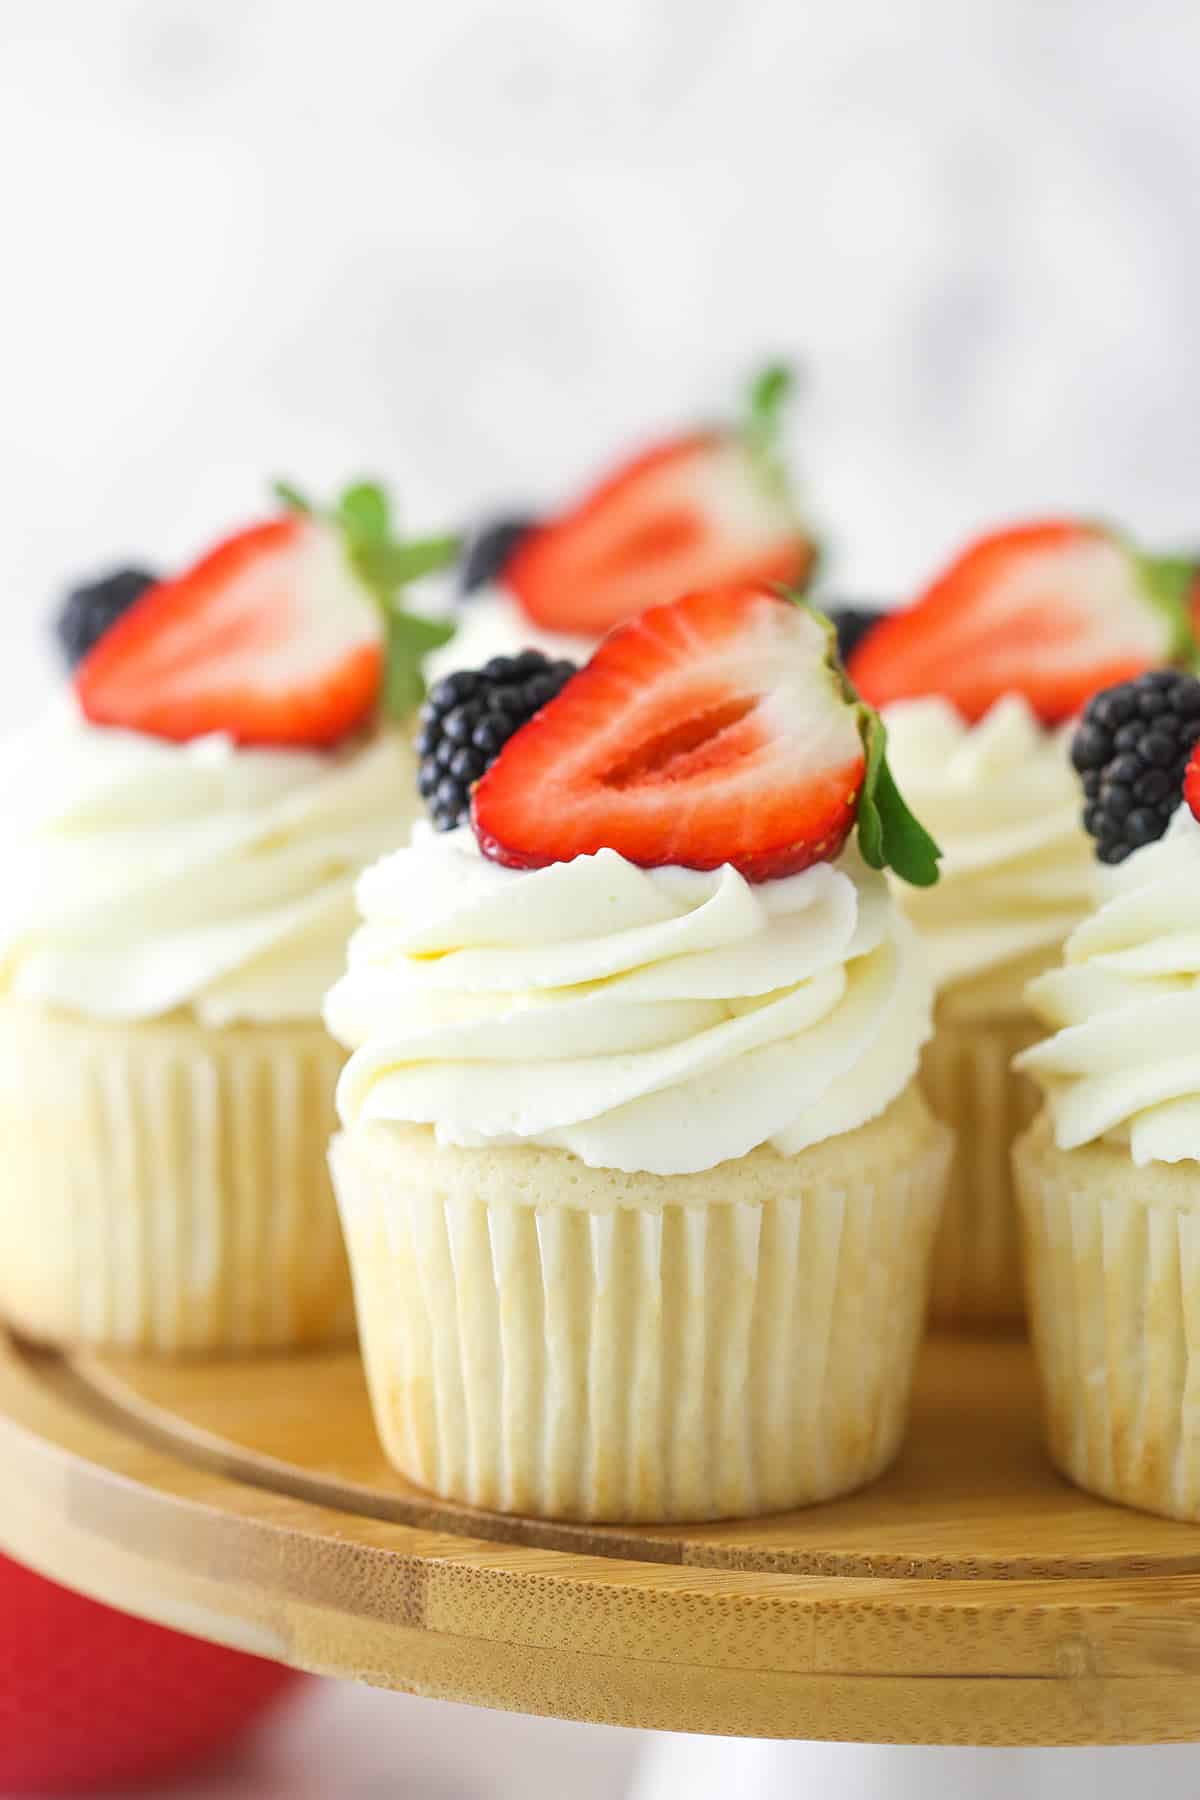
[1108, 1661]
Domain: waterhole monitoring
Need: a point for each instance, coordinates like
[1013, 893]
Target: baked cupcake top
[1124, 1009]
[655, 946]
[188, 822]
[1001, 798]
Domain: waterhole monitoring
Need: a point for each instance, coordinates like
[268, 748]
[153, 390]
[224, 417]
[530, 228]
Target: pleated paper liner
[968, 1079]
[545, 1338]
[1113, 1257]
[166, 1185]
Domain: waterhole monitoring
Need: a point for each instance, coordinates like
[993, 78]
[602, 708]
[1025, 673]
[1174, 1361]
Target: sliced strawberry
[713, 730]
[270, 638]
[278, 636]
[707, 509]
[1051, 611]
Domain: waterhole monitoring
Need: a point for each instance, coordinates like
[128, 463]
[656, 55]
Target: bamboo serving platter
[970, 1597]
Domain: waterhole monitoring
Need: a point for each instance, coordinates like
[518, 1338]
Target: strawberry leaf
[364, 513]
[291, 498]
[769, 393]
[889, 835]
[400, 563]
[1168, 581]
[410, 638]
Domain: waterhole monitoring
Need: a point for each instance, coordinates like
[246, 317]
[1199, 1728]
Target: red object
[1191, 783]
[1052, 611]
[709, 731]
[91, 1698]
[695, 512]
[270, 638]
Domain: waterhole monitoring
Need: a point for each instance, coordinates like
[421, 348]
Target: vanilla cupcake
[638, 1187]
[185, 830]
[1016, 876]
[977, 680]
[1109, 1179]
[698, 510]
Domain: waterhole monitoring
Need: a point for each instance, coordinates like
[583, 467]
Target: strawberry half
[717, 729]
[706, 509]
[281, 636]
[1052, 611]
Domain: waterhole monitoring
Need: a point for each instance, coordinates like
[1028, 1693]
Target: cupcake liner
[968, 1079]
[1113, 1259]
[541, 1337]
[166, 1185]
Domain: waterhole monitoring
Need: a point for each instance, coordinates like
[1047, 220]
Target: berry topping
[488, 552]
[1132, 748]
[467, 720]
[1191, 783]
[289, 633]
[89, 611]
[706, 509]
[717, 729]
[852, 624]
[1053, 612]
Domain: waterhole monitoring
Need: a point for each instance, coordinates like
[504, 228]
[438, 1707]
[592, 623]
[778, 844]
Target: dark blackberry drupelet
[488, 550]
[469, 717]
[89, 611]
[1131, 749]
[852, 624]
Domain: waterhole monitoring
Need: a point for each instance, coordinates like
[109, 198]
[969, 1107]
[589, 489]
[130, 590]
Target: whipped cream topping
[491, 624]
[1124, 1060]
[656, 1020]
[1017, 872]
[144, 876]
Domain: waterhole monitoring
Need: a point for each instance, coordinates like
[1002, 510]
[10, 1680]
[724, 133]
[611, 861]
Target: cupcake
[1109, 1174]
[638, 1186]
[185, 829]
[977, 680]
[1016, 876]
[701, 509]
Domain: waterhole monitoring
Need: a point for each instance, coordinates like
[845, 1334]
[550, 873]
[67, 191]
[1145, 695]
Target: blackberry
[1131, 749]
[469, 717]
[853, 624]
[488, 550]
[89, 611]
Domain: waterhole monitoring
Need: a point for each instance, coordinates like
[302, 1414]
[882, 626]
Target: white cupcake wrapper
[1113, 1254]
[681, 1362]
[968, 1080]
[166, 1185]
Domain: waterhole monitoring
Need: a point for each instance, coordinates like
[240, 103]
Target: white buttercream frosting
[661, 1020]
[143, 876]
[492, 624]
[1124, 1060]
[1017, 871]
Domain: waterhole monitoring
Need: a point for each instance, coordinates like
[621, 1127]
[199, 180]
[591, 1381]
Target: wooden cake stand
[970, 1597]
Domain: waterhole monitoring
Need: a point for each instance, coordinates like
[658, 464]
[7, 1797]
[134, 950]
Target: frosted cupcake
[185, 828]
[638, 1187]
[698, 510]
[1109, 1175]
[977, 679]
[1003, 802]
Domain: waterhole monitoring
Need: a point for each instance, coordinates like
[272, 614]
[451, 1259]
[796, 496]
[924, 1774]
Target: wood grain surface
[972, 1494]
[977, 1601]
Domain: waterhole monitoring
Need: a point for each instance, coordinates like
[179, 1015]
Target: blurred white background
[477, 247]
